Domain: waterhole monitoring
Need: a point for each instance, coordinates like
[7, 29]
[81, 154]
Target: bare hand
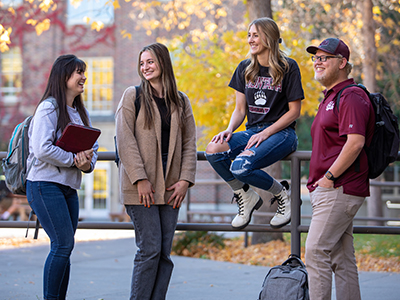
[180, 189]
[83, 160]
[324, 182]
[256, 139]
[222, 137]
[89, 154]
[146, 192]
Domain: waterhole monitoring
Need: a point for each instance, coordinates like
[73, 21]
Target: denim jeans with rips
[57, 208]
[231, 165]
[154, 231]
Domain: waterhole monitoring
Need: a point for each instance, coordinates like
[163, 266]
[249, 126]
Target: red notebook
[76, 138]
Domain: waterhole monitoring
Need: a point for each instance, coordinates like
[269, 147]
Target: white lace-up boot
[283, 213]
[248, 200]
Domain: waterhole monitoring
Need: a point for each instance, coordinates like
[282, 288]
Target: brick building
[111, 67]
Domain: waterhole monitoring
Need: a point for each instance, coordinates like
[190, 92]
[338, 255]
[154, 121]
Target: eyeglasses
[322, 58]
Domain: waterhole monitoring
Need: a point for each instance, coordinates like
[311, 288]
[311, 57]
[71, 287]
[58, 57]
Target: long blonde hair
[173, 98]
[277, 59]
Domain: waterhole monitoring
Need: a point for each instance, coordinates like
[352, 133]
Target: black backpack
[384, 146]
[288, 281]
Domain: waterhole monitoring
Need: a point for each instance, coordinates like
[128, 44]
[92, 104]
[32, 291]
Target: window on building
[95, 193]
[11, 75]
[95, 10]
[98, 95]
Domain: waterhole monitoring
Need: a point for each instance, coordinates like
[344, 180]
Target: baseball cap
[333, 46]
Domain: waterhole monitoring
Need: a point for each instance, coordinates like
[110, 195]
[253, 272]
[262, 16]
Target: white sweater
[52, 163]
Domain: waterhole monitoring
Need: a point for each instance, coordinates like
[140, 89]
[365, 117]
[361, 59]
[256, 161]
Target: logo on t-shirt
[260, 98]
[258, 110]
[264, 83]
[330, 105]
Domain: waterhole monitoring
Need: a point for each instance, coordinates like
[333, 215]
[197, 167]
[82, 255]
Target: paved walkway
[102, 270]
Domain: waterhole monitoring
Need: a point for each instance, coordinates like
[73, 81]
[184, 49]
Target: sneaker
[283, 213]
[248, 200]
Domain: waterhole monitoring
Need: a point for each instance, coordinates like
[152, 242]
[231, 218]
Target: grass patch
[189, 242]
[378, 245]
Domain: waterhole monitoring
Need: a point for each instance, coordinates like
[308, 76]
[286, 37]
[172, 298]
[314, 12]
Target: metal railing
[295, 228]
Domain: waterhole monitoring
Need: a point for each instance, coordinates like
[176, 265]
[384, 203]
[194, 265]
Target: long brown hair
[61, 71]
[277, 60]
[161, 56]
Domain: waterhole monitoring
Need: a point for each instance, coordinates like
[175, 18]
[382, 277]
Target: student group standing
[156, 142]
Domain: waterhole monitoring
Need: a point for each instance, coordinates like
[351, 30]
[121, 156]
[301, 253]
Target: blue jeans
[57, 208]
[247, 168]
[154, 232]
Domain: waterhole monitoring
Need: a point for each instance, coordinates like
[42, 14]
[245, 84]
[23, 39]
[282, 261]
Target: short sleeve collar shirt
[329, 134]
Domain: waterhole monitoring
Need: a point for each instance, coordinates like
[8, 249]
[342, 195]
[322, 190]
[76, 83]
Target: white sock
[5, 215]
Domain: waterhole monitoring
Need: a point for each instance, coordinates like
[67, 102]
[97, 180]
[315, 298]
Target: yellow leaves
[4, 38]
[390, 23]
[31, 22]
[116, 4]
[296, 50]
[359, 23]
[221, 12]
[42, 26]
[179, 14]
[126, 34]
[210, 27]
[97, 25]
[11, 10]
[376, 10]
[327, 7]
[75, 3]
[45, 5]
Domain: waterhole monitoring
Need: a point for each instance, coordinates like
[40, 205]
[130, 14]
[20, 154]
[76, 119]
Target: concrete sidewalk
[102, 270]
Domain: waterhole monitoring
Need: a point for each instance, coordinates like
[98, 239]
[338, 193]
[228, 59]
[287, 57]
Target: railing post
[295, 205]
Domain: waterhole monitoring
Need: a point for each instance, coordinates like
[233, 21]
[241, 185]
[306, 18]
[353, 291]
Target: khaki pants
[329, 245]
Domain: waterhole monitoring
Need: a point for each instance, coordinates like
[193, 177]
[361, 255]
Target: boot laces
[281, 204]
[239, 200]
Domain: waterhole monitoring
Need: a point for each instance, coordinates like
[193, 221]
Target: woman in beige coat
[156, 141]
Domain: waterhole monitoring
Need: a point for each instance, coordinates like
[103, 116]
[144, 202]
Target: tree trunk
[374, 205]
[259, 8]
[369, 71]
[370, 52]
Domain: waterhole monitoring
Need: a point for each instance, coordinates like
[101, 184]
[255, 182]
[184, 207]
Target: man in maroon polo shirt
[337, 189]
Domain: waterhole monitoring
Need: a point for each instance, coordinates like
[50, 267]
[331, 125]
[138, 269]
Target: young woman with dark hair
[56, 174]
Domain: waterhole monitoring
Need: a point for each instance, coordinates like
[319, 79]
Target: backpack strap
[137, 100]
[37, 225]
[293, 259]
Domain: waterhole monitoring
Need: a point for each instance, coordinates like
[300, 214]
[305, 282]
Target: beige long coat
[139, 150]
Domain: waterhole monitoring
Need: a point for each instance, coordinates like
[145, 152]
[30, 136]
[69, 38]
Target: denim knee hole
[240, 165]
